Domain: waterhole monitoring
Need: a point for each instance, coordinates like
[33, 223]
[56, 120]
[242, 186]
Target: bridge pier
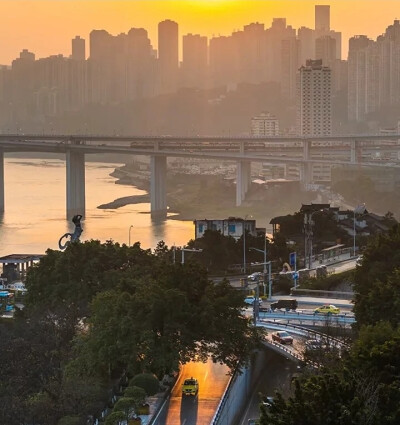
[306, 168]
[75, 183]
[158, 177]
[243, 180]
[1, 181]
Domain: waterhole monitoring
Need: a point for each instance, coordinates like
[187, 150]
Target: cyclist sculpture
[74, 237]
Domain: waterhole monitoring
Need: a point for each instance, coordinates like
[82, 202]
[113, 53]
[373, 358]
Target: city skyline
[46, 27]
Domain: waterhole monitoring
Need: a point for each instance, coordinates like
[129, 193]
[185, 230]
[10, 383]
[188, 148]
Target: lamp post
[309, 237]
[129, 235]
[244, 243]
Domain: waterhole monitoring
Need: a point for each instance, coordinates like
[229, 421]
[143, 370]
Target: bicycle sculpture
[74, 237]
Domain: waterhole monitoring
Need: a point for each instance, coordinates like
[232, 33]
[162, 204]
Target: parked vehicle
[251, 300]
[327, 309]
[254, 276]
[282, 337]
[190, 387]
[290, 304]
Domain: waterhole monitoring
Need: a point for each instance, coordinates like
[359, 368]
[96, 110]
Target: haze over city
[199, 212]
[46, 26]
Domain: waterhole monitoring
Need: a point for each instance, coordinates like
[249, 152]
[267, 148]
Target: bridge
[334, 150]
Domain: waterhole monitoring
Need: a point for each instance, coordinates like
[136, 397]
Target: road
[199, 410]
[276, 375]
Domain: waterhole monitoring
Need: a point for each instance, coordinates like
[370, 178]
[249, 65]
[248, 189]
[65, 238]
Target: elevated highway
[361, 150]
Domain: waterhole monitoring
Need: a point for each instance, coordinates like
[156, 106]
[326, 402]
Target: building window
[232, 228]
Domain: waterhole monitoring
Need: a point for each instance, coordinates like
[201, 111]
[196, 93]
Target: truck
[190, 387]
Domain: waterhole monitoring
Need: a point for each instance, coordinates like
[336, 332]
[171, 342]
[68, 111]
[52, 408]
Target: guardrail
[303, 317]
[301, 331]
[222, 402]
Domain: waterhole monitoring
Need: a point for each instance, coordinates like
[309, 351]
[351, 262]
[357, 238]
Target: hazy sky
[46, 27]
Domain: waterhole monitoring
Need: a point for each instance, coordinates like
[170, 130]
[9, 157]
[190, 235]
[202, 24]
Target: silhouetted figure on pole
[74, 237]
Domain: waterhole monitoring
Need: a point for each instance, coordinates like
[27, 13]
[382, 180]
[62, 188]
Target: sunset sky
[46, 27]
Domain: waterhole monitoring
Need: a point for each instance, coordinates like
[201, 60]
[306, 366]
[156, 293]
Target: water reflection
[34, 216]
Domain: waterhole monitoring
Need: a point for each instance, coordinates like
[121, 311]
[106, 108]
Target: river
[35, 209]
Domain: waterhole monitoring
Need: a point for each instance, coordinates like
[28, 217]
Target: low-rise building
[231, 226]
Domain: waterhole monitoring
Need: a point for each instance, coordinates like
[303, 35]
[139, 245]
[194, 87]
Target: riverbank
[194, 196]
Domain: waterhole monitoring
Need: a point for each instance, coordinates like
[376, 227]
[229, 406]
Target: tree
[148, 382]
[376, 282]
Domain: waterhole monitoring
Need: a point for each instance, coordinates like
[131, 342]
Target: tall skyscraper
[357, 77]
[168, 57]
[78, 49]
[290, 64]
[325, 49]
[314, 99]
[306, 37]
[194, 60]
[322, 18]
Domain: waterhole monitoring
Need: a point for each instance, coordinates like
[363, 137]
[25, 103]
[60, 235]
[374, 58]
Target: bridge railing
[301, 330]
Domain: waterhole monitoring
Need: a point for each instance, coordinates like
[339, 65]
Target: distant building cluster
[126, 67]
[374, 72]
[305, 63]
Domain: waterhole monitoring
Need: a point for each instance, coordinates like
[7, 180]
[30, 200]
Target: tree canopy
[98, 310]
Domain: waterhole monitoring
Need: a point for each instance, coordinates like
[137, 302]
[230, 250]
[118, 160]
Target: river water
[35, 209]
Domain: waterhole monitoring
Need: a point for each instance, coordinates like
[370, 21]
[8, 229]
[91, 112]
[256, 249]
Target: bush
[147, 381]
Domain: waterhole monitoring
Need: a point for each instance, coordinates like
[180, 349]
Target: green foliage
[329, 283]
[148, 382]
[115, 417]
[376, 282]
[70, 420]
[136, 393]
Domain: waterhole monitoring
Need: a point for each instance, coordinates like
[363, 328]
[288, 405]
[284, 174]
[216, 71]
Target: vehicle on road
[282, 337]
[251, 300]
[290, 304]
[190, 387]
[359, 260]
[327, 309]
[254, 276]
[253, 422]
[267, 401]
[314, 344]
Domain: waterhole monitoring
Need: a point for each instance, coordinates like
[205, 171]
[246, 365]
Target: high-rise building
[290, 61]
[264, 125]
[322, 18]
[194, 60]
[357, 77]
[306, 37]
[314, 99]
[168, 55]
[325, 49]
[78, 49]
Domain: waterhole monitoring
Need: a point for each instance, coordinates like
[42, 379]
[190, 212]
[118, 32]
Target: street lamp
[129, 235]
[244, 243]
[359, 209]
[309, 242]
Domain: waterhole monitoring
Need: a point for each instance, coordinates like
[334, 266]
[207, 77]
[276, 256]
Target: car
[254, 276]
[327, 309]
[190, 386]
[359, 260]
[290, 304]
[250, 300]
[314, 344]
[267, 401]
[282, 337]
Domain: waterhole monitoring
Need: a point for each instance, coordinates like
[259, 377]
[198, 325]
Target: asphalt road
[198, 410]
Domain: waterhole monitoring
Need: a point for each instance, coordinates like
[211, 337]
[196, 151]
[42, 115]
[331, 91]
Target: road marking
[205, 376]
[183, 423]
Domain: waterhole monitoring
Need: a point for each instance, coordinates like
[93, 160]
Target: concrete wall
[239, 391]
